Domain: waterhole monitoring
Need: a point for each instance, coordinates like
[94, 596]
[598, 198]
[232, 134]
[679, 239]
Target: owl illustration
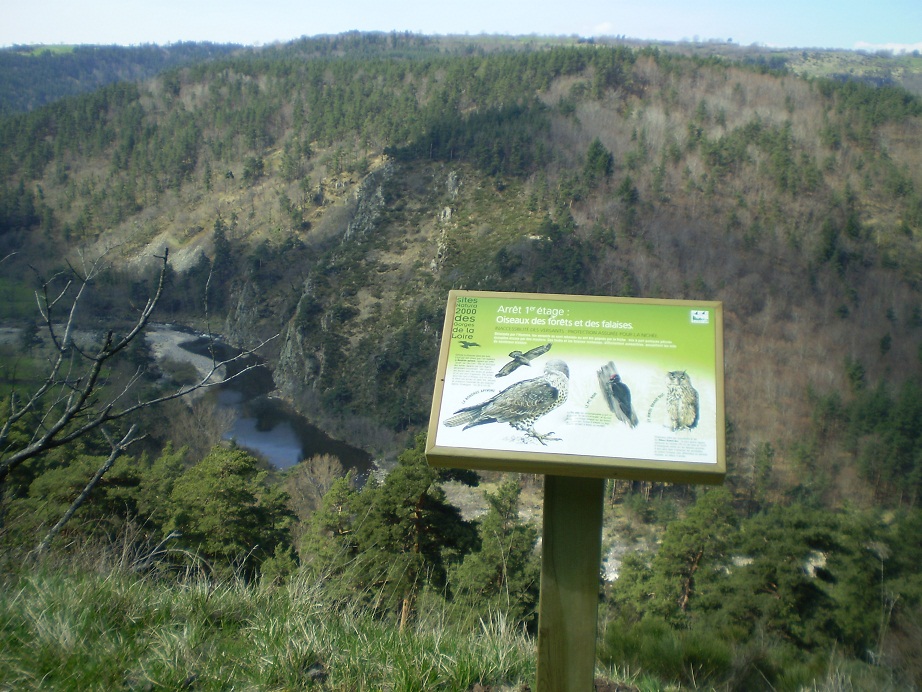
[681, 409]
[681, 401]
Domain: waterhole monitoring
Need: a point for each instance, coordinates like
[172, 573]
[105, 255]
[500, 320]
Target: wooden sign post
[570, 559]
[579, 388]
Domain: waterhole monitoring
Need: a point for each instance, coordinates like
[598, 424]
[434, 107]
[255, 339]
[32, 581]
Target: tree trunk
[406, 608]
[689, 582]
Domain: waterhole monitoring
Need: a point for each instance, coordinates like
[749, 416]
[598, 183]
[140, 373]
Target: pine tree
[226, 512]
[504, 574]
[694, 550]
[600, 163]
[328, 547]
[156, 486]
[407, 534]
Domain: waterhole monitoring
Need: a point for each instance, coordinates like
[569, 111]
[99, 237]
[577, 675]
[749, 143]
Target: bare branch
[67, 404]
[117, 449]
[148, 309]
[75, 411]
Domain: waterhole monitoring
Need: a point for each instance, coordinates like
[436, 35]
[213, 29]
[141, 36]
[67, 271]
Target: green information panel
[580, 385]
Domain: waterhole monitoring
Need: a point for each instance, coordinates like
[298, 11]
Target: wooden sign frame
[664, 357]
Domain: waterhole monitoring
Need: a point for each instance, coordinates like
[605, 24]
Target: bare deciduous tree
[74, 398]
[310, 480]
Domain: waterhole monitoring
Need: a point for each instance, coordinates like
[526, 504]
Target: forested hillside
[34, 76]
[333, 190]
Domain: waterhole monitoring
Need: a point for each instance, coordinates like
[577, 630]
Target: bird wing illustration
[617, 394]
[511, 366]
[519, 359]
[536, 351]
[517, 402]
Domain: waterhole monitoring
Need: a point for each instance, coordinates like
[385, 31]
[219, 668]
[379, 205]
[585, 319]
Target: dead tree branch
[69, 402]
[117, 449]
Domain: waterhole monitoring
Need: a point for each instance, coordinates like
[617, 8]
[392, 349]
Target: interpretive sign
[580, 385]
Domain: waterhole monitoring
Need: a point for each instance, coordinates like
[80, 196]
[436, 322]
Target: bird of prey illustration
[519, 358]
[617, 394]
[521, 404]
[468, 344]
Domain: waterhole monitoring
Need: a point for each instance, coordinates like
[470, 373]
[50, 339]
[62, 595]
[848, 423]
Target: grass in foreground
[63, 630]
[94, 632]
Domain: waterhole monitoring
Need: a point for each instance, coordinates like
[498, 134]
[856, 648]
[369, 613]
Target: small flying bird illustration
[468, 344]
[617, 394]
[521, 404]
[519, 358]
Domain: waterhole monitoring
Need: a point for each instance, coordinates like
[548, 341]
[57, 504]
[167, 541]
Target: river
[263, 424]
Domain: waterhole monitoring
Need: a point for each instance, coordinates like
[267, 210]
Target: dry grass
[89, 631]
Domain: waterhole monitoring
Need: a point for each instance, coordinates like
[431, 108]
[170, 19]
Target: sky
[849, 24]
